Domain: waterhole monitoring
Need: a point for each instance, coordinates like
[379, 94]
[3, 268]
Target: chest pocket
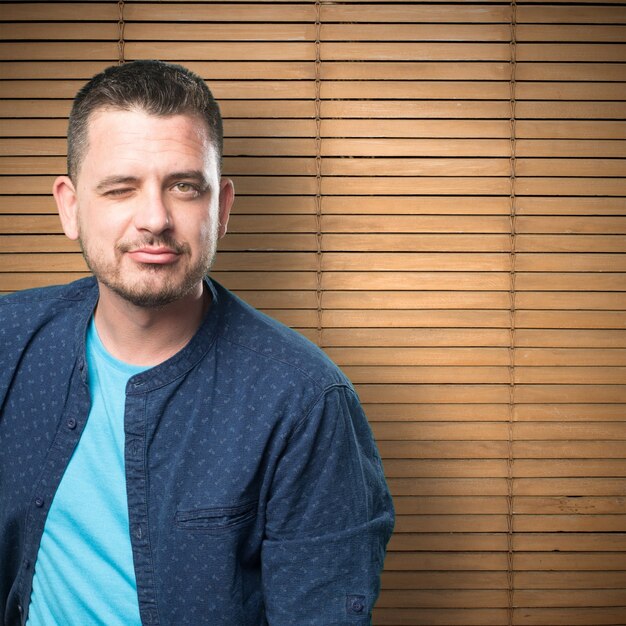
[217, 519]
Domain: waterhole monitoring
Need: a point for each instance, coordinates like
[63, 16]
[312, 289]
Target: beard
[150, 285]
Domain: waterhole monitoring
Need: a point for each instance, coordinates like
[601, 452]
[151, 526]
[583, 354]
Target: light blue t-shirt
[84, 573]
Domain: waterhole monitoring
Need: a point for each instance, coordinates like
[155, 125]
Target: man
[170, 455]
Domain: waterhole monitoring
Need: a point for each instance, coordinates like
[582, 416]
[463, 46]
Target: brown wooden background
[434, 192]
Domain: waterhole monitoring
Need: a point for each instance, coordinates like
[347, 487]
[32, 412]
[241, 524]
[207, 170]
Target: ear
[67, 205]
[227, 197]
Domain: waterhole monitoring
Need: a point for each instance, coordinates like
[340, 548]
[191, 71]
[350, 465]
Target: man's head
[155, 87]
[145, 197]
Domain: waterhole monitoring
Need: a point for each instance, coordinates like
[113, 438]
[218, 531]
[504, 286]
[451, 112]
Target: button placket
[137, 494]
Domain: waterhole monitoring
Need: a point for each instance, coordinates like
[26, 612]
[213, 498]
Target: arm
[328, 520]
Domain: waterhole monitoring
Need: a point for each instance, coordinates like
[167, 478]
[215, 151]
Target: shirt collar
[162, 374]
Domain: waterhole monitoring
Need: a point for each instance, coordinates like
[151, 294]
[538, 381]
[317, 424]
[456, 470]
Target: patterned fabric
[84, 571]
[255, 490]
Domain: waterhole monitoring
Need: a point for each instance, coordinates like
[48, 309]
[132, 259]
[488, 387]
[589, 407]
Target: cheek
[97, 234]
[205, 230]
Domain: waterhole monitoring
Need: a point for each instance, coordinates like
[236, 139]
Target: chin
[151, 286]
[154, 291]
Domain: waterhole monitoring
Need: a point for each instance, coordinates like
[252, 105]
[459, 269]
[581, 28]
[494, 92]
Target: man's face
[148, 206]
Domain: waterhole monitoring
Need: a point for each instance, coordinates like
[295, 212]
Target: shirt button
[71, 423]
[39, 501]
[19, 608]
[357, 607]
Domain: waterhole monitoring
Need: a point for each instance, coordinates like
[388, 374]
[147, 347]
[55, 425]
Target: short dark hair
[155, 87]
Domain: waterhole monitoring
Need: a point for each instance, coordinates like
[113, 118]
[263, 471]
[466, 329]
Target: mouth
[154, 256]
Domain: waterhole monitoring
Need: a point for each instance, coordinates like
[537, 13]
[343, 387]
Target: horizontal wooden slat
[574, 72]
[427, 375]
[432, 51]
[542, 52]
[421, 409]
[486, 356]
[457, 89]
[569, 505]
[15, 282]
[492, 598]
[441, 617]
[472, 300]
[289, 85]
[571, 15]
[480, 374]
[207, 31]
[574, 412]
[375, 70]
[51, 11]
[570, 33]
[570, 580]
[496, 580]
[522, 487]
[471, 617]
[249, 12]
[415, 32]
[104, 51]
[460, 561]
[577, 90]
[435, 598]
[415, 13]
[499, 468]
[443, 580]
[221, 75]
[15, 31]
[401, 337]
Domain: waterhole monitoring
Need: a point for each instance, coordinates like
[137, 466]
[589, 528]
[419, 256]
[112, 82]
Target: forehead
[140, 136]
[144, 125]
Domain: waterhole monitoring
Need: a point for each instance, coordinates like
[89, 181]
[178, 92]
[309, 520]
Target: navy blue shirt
[255, 490]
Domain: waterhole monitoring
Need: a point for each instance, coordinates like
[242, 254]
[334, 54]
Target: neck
[148, 336]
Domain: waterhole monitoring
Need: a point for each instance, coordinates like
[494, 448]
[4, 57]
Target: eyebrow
[110, 181]
[195, 175]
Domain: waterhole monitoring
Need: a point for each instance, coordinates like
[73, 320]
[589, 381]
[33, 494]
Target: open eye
[186, 189]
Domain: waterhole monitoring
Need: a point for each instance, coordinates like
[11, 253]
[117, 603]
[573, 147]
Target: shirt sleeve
[328, 520]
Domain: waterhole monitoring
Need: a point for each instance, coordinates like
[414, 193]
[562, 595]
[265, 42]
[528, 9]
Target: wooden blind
[434, 192]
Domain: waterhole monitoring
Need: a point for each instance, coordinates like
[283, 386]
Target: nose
[153, 213]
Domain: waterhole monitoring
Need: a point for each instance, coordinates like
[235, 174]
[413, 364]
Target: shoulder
[29, 309]
[77, 290]
[39, 332]
[270, 344]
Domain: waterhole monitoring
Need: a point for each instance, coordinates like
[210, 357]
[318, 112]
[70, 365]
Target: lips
[155, 256]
